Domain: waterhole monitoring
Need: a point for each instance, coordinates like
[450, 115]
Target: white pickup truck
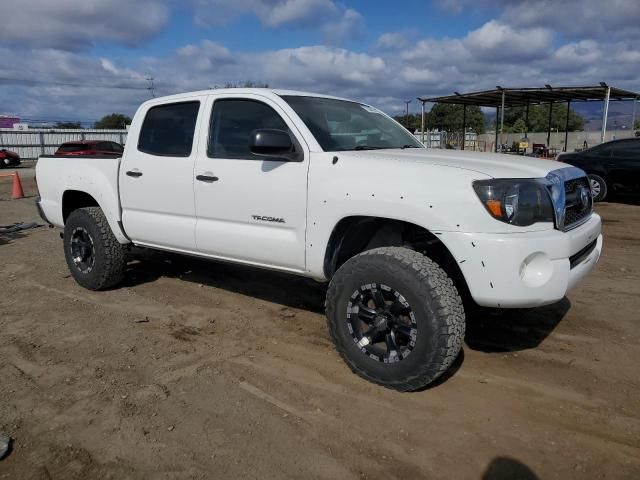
[337, 191]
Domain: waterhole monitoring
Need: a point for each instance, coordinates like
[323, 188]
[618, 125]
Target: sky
[82, 59]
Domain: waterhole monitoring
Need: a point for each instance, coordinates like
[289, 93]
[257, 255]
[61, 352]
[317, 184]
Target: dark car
[613, 167]
[90, 147]
[8, 158]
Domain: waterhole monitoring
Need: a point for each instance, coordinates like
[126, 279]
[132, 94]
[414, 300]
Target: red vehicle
[8, 158]
[90, 147]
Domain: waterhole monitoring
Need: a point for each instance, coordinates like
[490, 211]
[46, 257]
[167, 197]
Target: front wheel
[598, 187]
[94, 257]
[396, 317]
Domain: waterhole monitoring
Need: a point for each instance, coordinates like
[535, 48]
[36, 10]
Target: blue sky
[81, 59]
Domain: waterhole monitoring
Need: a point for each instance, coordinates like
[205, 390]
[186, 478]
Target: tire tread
[112, 271]
[448, 305]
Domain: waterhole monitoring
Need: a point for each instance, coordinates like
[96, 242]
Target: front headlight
[516, 201]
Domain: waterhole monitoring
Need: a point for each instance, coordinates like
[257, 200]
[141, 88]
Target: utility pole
[406, 117]
[151, 87]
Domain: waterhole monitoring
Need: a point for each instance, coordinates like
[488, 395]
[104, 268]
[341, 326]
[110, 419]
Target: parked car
[90, 147]
[613, 167]
[8, 158]
[337, 191]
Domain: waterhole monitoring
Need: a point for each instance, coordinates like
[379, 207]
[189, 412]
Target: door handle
[207, 178]
[134, 173]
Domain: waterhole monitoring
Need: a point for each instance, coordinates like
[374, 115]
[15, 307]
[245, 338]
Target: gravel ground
[203, 370]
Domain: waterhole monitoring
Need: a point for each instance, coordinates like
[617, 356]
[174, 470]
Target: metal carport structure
[502, 98]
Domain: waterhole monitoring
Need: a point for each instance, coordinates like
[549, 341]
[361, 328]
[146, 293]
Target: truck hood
[494, 165]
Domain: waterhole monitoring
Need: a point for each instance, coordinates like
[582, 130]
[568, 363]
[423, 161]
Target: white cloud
[500, 42]
[575, 19]
[78, 24]
[506, 51]
[349, 25]
[392, 40]
[272, 13]
[337, 22]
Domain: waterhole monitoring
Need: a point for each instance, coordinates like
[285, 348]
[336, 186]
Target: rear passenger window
[233, 121]
[627, 149]
[168, 130]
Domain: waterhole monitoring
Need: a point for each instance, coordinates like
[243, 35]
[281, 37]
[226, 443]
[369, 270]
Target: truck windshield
[340, 125]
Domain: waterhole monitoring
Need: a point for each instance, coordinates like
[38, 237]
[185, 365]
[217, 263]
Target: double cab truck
[406, 237]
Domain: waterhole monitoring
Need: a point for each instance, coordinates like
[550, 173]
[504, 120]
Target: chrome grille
[577, 207]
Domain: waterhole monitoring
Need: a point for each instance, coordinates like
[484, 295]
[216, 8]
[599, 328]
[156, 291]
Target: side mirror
[270, 143]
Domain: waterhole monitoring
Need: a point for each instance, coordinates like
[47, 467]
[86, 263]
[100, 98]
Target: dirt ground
[203, 370]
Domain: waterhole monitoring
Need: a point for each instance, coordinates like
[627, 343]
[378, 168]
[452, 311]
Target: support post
[422, 125]
[464, 125]
[502, 117]
[549, 125]
[495, 143]
[605, 115]
[566, 127]
[526, 121]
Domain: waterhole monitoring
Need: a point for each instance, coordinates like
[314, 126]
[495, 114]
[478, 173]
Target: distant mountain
[619, 115]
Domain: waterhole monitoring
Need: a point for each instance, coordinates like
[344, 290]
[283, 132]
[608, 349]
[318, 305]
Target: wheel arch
[355, 234]
[74, 199]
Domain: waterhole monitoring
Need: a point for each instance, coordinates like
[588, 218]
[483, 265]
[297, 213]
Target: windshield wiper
[366, 147]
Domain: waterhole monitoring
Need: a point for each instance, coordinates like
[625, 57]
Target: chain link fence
[32, 143]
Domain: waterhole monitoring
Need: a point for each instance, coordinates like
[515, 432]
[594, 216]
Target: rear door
[156, 177]
[625, 165]
[255, 210]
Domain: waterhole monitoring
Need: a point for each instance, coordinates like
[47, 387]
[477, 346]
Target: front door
[156, 177]
[250, 208]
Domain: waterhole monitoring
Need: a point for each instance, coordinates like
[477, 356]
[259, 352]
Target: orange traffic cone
[17, 191]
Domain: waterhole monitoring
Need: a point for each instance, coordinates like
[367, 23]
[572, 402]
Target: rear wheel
[396, 317]
[599, 188]
[94, 256]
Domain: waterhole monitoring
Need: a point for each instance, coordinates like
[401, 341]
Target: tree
[636, 126]
[539, 119]
[448, 117]
[519, 126]
[245, 84]
[114, 121]
[70, 125]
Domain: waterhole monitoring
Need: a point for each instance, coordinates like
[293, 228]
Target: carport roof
[516, 97]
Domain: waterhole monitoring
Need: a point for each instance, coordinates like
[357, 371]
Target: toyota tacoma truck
[337, 191]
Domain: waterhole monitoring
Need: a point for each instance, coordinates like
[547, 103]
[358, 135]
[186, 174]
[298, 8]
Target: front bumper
[520, 270]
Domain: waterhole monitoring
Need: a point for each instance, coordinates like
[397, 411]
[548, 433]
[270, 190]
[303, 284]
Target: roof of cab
[242, 91]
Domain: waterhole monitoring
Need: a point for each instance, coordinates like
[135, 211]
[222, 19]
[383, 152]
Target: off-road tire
[109, 255]
[434, 299]
[604, 189]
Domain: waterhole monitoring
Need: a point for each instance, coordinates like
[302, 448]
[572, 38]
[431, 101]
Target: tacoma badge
[268, 219]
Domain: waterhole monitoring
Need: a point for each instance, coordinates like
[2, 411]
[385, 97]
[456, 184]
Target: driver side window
[232, 122]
